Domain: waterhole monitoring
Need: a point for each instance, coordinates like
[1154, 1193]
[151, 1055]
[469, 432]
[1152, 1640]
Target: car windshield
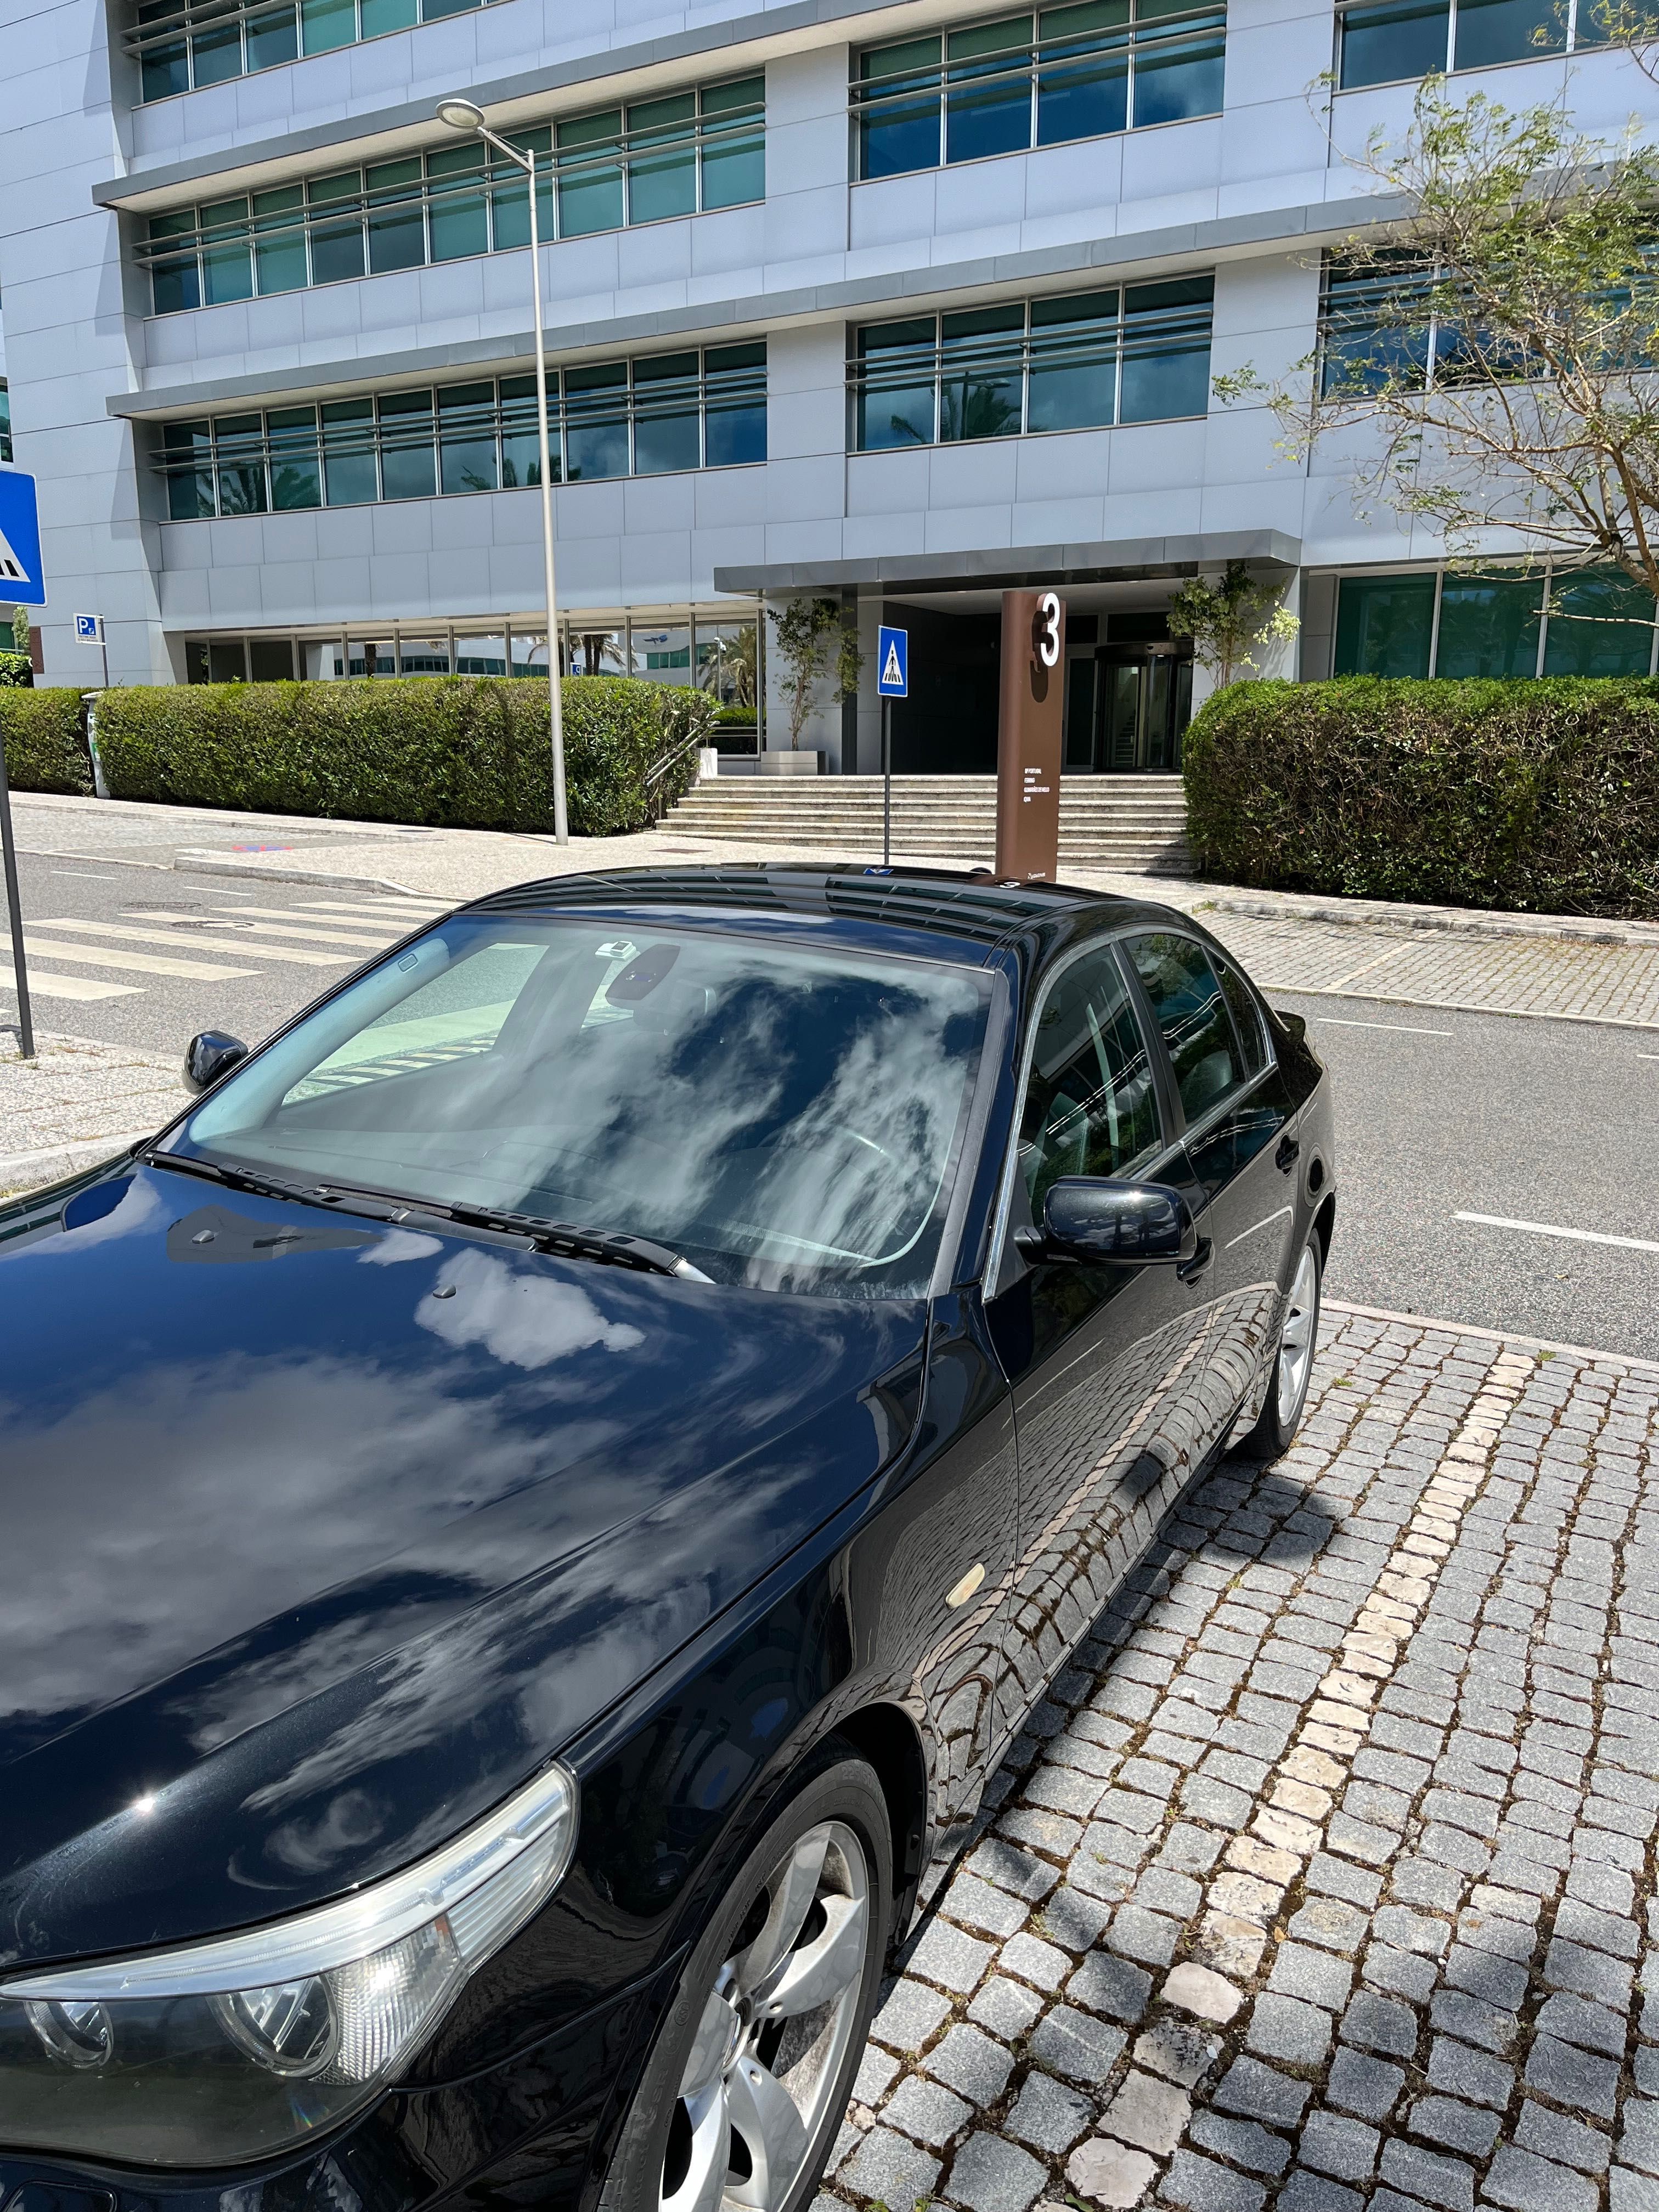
[781, 1117]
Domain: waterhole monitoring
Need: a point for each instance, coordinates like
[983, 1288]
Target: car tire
[1293, 1358]
[748, 2083]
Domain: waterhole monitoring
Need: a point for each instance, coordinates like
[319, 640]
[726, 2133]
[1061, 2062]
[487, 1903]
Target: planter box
[781, 763]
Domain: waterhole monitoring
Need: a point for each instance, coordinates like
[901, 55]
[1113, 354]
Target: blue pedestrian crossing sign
[22, 579]
[893, 663]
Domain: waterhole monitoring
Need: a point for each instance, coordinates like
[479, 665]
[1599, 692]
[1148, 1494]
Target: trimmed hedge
[44, 748]
[462, 752]
[1540, 797]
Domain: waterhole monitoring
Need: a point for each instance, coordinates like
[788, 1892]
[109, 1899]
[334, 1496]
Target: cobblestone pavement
[1501, 975]
[1324, 1878]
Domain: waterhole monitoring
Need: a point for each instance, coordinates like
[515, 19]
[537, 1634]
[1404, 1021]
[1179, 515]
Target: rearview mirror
[208, 1056]
[1087, 1217]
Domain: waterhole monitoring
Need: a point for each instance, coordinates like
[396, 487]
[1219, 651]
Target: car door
[1106, 1363]
[1237, 1109]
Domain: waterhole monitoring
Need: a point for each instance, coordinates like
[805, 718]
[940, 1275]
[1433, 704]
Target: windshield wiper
[232, 1178]
[612, 1247]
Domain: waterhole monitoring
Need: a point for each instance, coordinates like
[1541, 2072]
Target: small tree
[811, 636]
[1229, 620]
[1498, 357]
[20, 630]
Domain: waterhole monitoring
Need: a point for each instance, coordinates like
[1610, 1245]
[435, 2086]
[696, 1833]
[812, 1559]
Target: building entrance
[1126, 709]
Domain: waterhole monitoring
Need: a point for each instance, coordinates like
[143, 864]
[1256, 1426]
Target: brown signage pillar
[1030, 733]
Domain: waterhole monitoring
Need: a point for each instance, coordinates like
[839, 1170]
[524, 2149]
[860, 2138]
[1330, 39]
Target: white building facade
[902, 304]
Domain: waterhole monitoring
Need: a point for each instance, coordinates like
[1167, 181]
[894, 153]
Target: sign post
[89, 629]
[22, 581]
[893, 682]
[1030, 734]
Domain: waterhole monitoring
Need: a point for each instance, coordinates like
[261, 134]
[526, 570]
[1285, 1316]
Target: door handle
[1288, 1154]
[1190, 1270]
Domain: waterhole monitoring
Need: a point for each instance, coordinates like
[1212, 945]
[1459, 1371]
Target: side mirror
[1296, 1023]
[210, 1056]
[1087, 1217]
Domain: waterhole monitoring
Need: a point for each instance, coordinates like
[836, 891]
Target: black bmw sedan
[533, 1511]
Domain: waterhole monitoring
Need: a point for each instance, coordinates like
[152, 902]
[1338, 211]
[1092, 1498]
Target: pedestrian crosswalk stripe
[149, 963]
[127, 933]
[44, 985]
[305, 923]
[386, 910]
[306, 933]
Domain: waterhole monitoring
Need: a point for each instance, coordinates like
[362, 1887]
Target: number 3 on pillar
[1045, 630]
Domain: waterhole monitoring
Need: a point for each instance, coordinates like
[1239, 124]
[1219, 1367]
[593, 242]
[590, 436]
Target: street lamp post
[463, 115]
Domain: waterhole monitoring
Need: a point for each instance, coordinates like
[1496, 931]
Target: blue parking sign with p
[22, 579]
[893, 663]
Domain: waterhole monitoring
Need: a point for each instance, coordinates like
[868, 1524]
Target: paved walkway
[1325, 1877]
[75, 1102]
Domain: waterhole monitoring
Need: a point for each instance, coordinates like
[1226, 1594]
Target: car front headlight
[226, 2050]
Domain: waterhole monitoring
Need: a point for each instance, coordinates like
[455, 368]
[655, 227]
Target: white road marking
[304, 935]
[85, 875]
[149, 963]
[1551, 1229]
[1404, 1029]
[387, 911]
[44, 985]
[127, 933]
[305, 924]
[1648, 1056]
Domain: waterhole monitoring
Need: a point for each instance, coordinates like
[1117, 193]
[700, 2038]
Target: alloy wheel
[1296, 1343]
[774, 2031]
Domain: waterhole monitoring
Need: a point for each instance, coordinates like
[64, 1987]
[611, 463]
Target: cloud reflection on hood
[525, 1320]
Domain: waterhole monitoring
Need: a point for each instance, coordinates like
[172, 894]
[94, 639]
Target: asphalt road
[1550, 1123]
[147, 957]
[1438, 1115]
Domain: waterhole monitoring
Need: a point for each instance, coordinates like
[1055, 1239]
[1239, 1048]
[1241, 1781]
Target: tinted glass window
[1189, 1007]
[783, 1118]
[1247, 1025]
[1090, 1106]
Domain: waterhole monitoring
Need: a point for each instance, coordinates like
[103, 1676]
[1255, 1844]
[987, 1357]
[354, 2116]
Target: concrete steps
[1137, 824]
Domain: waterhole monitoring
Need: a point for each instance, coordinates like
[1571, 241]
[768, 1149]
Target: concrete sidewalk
[74, 1103]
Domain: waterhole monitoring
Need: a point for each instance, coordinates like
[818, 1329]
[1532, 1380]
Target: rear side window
[1247, 1025]
[1090, 1108]
[1188, 1006]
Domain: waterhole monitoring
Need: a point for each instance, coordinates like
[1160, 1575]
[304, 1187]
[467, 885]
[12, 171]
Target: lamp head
[460, 115]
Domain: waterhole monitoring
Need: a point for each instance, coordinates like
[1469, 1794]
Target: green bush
[44, 748]
[465, 752]
[16, 669]
[1541, 797]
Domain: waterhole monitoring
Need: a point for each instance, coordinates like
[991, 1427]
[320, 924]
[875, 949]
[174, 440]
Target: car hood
[321, 1534]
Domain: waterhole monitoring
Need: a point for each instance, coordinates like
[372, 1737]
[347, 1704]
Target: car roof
[961, 916]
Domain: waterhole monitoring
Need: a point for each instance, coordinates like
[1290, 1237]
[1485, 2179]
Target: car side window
[1247, 1024]
[1189, 1008]
[1089, 1107]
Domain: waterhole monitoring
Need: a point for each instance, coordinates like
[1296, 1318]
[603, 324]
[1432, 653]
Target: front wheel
[741, 2099]
[1293, 1367]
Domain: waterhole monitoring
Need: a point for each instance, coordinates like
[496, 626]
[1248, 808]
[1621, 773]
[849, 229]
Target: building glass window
[697, 151]
[5, 422]
[1001, 87]
[1495, 624]
[1387, 41]
[644, 417]
[183, 43]
[1135, 354]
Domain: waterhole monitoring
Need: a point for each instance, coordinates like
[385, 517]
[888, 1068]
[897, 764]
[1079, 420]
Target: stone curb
[25, 1171]
[1463, 921]
[1495, 1336]
[210, 864]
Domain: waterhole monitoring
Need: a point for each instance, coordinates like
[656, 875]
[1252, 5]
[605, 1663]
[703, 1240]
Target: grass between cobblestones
[1323, 1878]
